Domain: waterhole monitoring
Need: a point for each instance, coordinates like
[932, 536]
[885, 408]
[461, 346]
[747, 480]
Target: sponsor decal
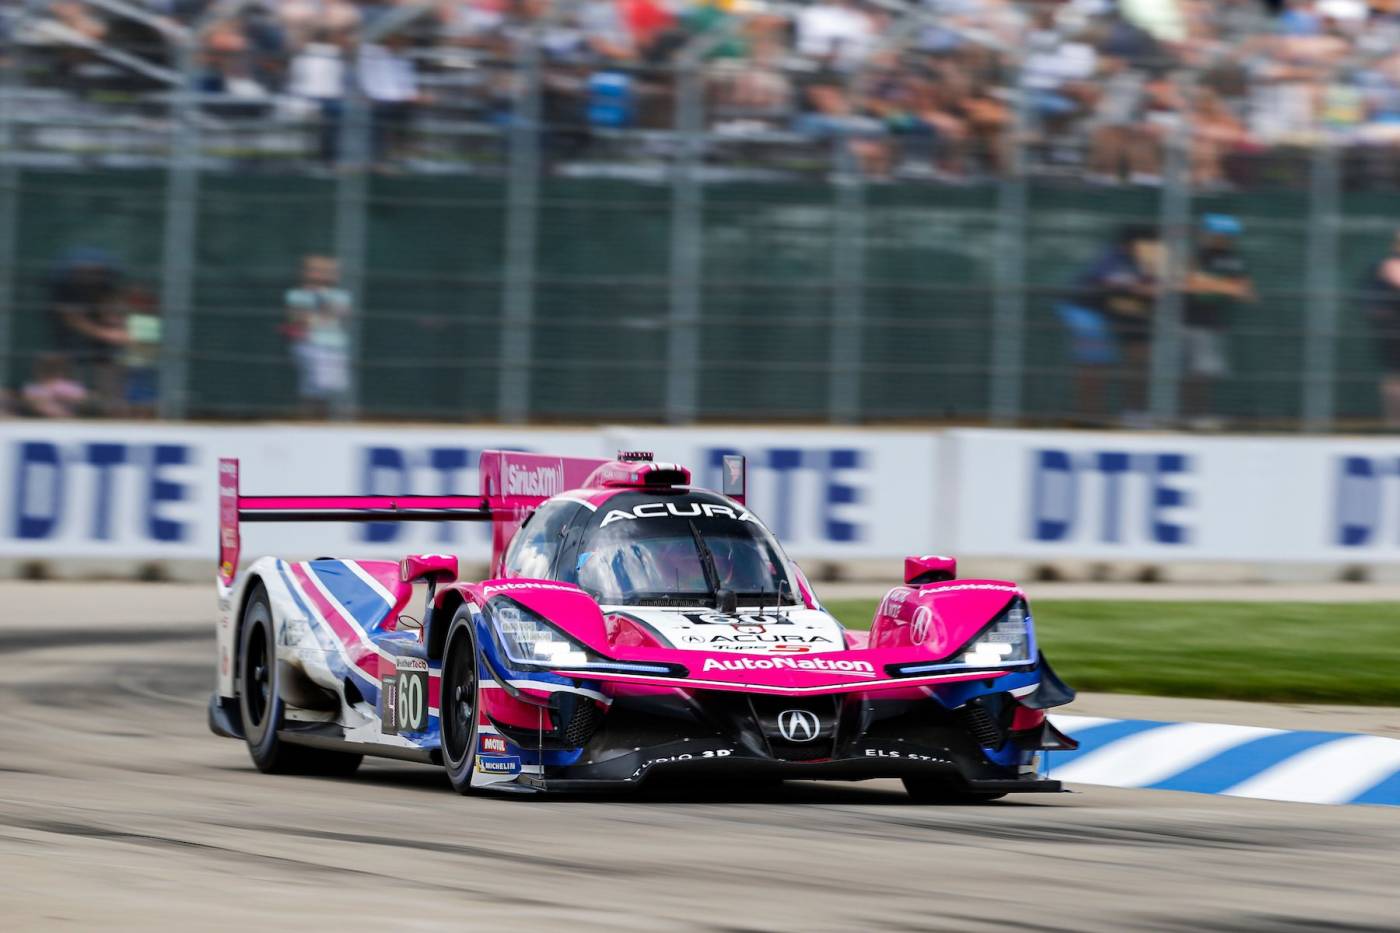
[685, 756]
[906, 756]
[923, 621]
[823, 665]
[506, 764]
[292, 632]
[543, 481]
[894, 601]
[746, 641]
[493, 745]
[509, 587]
[719, 618]
[678, 510]
[403, 697]
[798, 725]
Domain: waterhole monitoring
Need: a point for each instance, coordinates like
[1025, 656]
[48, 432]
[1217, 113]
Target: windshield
[679, 560]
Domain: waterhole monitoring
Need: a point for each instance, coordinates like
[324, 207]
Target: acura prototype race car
[632, 625]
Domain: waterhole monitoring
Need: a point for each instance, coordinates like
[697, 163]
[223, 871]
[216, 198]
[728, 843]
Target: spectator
[1215, 134]
[390, 82]
[143, 330]
[605, 30]
[1119, 142]
[318, 76]
[53, 392]
[1217, 284]
[1110, 321]
[317, 310]
[87, 325]
[1384, 311]
[836, 33]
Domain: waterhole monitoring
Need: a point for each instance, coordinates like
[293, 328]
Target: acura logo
[798, 725]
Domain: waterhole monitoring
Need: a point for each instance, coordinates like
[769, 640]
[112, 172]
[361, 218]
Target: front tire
[932, 790]
[262, 707]
[459, 705]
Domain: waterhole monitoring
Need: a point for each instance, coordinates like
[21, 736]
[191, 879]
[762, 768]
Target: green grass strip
[1278, 652]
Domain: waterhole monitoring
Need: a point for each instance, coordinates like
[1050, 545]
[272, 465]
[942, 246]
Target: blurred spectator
[1110, 322]
[228, 64]
[1217, 284]
[318, 75]
[142, 360]
[312, 21]
[1057, 72]
[1383, 299]
[1215, 134]
[53, 392]
[1120, 144]
[605, 30]
[389, 81]
[86, 321]
[317, 310]
[835, 33]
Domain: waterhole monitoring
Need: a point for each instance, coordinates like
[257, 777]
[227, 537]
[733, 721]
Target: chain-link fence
[525, 237]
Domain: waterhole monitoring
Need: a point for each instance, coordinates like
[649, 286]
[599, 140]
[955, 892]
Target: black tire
[262, 707]
[458, 705]
[932, 790]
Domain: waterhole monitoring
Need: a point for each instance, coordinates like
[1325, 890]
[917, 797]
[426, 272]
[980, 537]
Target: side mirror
[931, 568]
[435, 568]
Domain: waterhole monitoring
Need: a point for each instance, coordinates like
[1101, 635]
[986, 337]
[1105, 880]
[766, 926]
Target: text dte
[101, 491]
[1365, 514]
[1110, 497]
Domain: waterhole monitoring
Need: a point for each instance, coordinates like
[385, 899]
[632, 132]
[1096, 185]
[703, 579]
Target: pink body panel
[860, 671]
[229, 540]
[938, 617]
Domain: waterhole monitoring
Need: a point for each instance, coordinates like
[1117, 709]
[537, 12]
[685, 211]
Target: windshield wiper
[707, 562]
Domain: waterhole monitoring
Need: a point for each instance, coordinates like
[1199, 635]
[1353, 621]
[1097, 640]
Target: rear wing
[512, 483]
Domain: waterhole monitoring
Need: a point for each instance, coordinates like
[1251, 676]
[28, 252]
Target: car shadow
[660, 791]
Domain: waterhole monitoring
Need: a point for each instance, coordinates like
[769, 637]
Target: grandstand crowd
[914, 88]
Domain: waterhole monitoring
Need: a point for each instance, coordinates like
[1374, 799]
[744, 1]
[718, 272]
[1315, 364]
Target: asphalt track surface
[118, 810]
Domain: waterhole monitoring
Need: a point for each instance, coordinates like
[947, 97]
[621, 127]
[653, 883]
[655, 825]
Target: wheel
[262, 707]
[458, 708]
[932, 790]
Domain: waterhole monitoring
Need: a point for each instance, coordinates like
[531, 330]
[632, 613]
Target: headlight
[1007, 641]
[527, 639]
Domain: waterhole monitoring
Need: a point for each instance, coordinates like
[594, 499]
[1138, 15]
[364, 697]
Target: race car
[632, 625]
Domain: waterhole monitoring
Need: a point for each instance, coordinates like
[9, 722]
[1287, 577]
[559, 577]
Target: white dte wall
[137, 491]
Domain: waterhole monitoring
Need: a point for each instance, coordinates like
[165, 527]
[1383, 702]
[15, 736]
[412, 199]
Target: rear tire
[932, 790]
[262, 707]
[459, 705]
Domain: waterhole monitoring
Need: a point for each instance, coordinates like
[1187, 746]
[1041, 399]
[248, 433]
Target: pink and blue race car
[632, 626]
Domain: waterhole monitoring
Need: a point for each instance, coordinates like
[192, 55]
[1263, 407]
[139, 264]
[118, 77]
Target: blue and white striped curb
[1238, 761]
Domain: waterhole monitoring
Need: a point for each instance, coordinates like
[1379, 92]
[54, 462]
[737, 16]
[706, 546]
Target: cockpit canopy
[678, 548]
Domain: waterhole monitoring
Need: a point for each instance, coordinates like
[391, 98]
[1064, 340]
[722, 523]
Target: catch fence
[517, 252]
